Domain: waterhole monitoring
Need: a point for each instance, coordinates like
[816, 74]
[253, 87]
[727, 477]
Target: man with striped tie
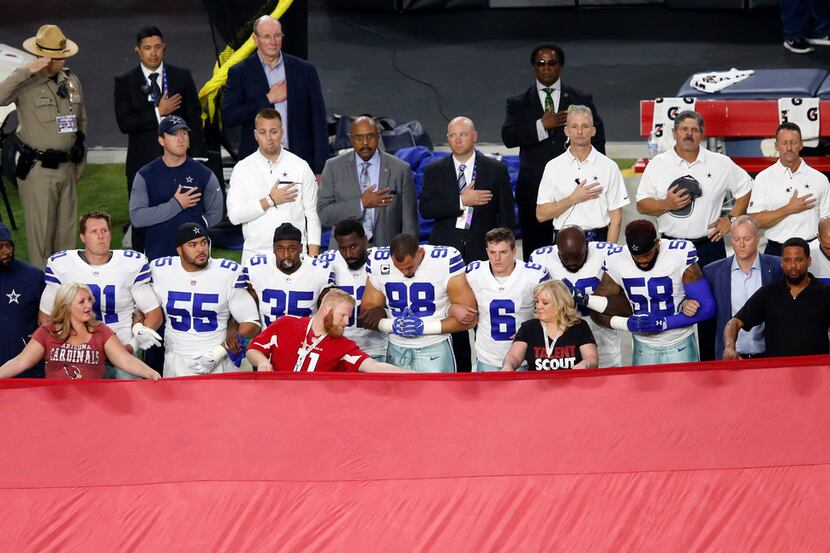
[467, 194]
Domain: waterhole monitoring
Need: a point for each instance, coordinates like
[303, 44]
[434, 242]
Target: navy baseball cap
[5, 234]
[171, 124]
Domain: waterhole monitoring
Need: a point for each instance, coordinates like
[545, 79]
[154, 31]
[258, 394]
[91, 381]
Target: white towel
[665, 110]
[804, 112]
[718, 80]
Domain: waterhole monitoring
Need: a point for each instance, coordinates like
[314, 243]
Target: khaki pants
[50, 208]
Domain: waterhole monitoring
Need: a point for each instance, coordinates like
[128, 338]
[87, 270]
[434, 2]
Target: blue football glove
[646, 324]
[580, 297]
[408, 324]
[236, 359]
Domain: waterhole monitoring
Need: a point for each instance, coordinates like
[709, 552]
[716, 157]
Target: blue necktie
[462, 180]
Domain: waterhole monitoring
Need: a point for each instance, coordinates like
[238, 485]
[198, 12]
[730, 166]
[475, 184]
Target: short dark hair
[689, 114]
[500, 234]
[268, 113]
[788, 126]
[403, 245]
[560, 53]
[94, 215]
[349, 226]
[797, 242]
[147, 32]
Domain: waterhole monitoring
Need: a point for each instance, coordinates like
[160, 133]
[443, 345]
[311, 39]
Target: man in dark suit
[535, 122]
[369, 185]
[466, 194]
[270, 78]
[734, 279]
[147, 94]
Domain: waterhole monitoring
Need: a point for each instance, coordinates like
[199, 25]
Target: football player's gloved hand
[206, 362]
[236, 358]
[408, 324]
[646, 324]
[580, 297]
[144, 337]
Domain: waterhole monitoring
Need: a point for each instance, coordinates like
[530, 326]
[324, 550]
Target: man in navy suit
[144, 96]
[270, 78]
[535, 122]
[734, 279]
[467, 194]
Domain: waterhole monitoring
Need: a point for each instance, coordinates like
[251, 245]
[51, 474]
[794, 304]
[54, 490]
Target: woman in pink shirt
[73, 344]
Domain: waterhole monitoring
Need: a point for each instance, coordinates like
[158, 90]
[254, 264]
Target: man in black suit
[147, 94]
[535, 122]
[270, 78]
[466, 194]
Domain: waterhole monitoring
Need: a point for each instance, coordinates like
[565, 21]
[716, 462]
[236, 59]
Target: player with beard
[348, 264]
[199, 295]
[795, 309]
[651, 280]
[314, 344]
[284, 282]
[578, 263]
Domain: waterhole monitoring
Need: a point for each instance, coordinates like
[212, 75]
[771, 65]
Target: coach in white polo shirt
[270, 187]
[789, 198]
[692, 210]
[582, 187]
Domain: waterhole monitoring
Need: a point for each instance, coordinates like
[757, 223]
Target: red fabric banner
[729, 456]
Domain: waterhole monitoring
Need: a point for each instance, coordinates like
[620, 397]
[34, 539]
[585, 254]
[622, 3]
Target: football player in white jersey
[348, 264]
[503, 287]
[120, 283]
[284, 282]
[199, 295]
[820, 252]
[651, 280]
[408, 294]
[578, 263]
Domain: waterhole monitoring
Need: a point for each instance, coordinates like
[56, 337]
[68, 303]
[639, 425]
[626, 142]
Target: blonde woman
[73, 343]
[557, 338]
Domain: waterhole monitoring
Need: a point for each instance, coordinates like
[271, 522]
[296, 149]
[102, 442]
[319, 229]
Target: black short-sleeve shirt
[794, 326]
[565, 353]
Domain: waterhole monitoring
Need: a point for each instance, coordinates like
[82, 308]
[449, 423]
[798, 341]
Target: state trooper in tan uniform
[52, 130]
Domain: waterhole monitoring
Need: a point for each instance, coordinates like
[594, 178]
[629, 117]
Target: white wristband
[619, 323]
[432, 327]
[219, 353]
[597, 303]
[385, 325]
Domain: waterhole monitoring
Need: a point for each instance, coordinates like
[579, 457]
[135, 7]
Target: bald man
[368, 185]
[467, 194]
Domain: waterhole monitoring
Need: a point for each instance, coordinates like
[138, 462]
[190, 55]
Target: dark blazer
[519, 129]
[245, 94]
[718, 275]
[439, 201]
[338, 197]
[136, 116]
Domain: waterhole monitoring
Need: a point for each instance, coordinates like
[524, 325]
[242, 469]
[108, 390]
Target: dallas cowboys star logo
[708, 175]
[13, 297]
[196, 231]
[189, 179]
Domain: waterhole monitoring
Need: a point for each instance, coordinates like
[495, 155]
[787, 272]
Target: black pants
[534, 234]
[592, 235]
[777, 248]
[707, 252]
[461, 350]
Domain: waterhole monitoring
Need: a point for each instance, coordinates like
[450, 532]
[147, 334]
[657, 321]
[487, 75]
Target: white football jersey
[502, 306]
[658, 291]
[353, 282]
[281, 294]
[425, 293]
[819, 264]
[113, 285]
[197, 306]
[587, 279]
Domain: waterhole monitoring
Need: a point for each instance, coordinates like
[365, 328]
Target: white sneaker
[820, 41]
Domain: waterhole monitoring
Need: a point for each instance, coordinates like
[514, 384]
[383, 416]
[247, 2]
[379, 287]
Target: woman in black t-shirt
[557, 338]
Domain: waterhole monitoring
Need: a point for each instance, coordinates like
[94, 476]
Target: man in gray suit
[368, 185]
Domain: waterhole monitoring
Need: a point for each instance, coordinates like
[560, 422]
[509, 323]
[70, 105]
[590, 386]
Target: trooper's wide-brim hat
[51, 43]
